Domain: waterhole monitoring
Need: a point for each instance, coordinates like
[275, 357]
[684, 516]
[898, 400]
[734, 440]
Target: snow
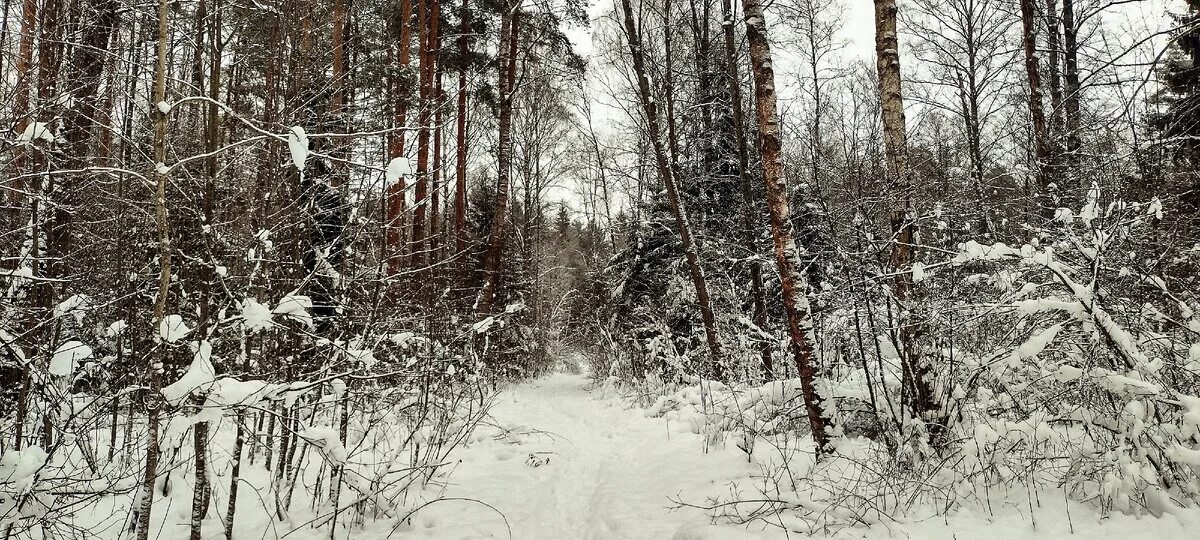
[295, 306]
[9, 343]
[164, 107]
[17, 468]
[565, 465]
[1036, 344]
[115, 329]
[327, 441]
[918, 272]
[298, 146]
[483, 326]
[67, 356]
[199, 376]
[36, 131]
[556, 461]
[1091, 209]
[398, 168]
[1155, 209]
[255, 316]
[172, 328]
[76, 306]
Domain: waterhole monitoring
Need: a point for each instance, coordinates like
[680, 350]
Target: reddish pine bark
[397, 192]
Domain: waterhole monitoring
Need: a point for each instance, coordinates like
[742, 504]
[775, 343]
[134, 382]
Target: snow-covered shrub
[1088, 366]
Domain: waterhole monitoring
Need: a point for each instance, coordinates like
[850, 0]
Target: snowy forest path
[568, 464]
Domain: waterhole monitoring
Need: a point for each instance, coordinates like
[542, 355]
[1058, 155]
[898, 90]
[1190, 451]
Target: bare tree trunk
[665, 172]
[397, 192]
[29, 12]
[154, 371]
[460, 166]
[460, 157]
[787, 254]
[87, 66]
[337, 105]
[1036, 114]
[435, 198]
[427, 30]
[1053, 79]
[510, 23]
[1071, 78]
[202, 496]
[239, 443]
[895, 139]
[750, 212]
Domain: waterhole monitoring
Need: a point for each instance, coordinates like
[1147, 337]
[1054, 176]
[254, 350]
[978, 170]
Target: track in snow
[608, 472]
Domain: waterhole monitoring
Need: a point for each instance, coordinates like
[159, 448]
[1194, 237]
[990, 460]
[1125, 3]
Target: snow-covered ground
[568, 463]
[559, 460]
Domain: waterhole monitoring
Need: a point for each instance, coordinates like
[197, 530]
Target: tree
[1033, 76]
[510, 23]
[154, 372]
[917, 386]
[666, 174]
[965, 43]
[398, 191]
[787, 255]
[750, 204]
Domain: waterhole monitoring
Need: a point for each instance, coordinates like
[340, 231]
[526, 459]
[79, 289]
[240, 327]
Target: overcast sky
[859, 30]
[1126, 22]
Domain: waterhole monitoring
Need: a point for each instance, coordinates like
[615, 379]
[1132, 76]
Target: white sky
[1128, 22]
[859, 29]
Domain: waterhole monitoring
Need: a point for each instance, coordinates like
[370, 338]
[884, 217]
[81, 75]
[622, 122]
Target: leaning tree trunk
[787, 254]
[509, 38]
[887, 49]
[154, 371]
[650, 109]
[749, 212]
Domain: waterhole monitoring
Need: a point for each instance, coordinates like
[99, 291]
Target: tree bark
[154, 373]
[787, 254]
[397, 192]
[435, 197]
[460, 157]
[29, 12]
[750, 210]
[1054, 81]
[1036, 114]
[665, 172]
[895, 140]
[340, 80]
[510, 23]
[428, 29]
[1071, 78]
